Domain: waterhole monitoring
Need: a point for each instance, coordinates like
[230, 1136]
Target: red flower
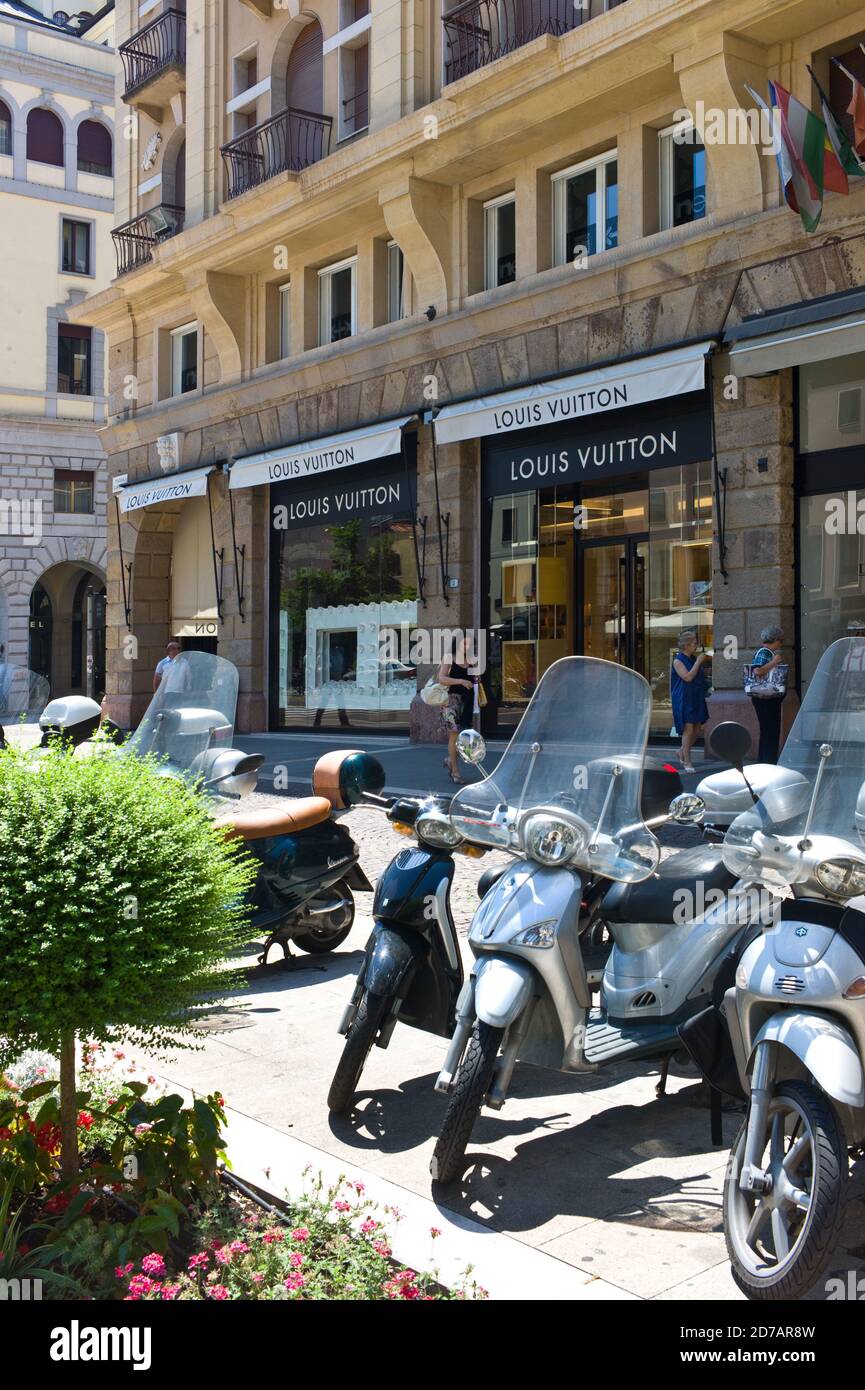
[85, 1120]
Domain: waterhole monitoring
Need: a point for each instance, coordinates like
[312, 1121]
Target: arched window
[5, 129]
[44, 137]
[304, 76]
[94, 148]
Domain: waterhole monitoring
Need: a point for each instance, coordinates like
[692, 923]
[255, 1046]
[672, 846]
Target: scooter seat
[655, 899]
[262, 823]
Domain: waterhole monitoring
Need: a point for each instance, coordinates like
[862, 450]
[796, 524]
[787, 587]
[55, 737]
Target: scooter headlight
[542, 934]
[551, 841]
[843, 878]
[435, 828]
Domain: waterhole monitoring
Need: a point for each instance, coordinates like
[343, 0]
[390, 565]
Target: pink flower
[151, 1080]
[368, 1226]
[196, 1261]
[258, 1278]
[153, 1264]
[120, 1056]
[300, 1233]
[294, 1281]
[41, 1071]
[359, 1188]
[382, 1248]
[170, 1291]
[223, 1255]
[220, 1292]
[296, 1259]
[434, 1231]
[139, 1285]
[342, 1206]
[238, 1247]
[122, 1271]
[273, 1236]
[143, 1128]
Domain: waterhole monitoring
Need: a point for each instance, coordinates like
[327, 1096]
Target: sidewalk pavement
[410, 768]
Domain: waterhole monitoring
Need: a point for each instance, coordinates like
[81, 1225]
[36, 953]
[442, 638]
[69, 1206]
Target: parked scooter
[412, 970]
[565, 801]
[23, 696]
[795, 1012]
[308, 862]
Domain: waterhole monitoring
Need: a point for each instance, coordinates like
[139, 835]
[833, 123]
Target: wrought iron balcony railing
[478, 32]
[153, 50]
[134, 240]
[290, 140]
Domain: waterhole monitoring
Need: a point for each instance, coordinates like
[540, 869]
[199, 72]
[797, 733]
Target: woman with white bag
[767, 691]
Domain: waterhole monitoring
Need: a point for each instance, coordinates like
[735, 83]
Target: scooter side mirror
[687, 809]
[731, 742]
[471, 747]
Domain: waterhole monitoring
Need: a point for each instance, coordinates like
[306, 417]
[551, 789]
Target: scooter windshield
[23, 697]
[191, 712]
[826, 748]
[571, 775]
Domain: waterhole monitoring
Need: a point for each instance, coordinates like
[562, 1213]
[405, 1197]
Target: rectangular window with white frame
[184, 359]
[396, 286]
[337, 301]
[681, 176]
[285, 321]
[586, 208]
[500, 241]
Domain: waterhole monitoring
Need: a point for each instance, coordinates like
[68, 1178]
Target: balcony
[134, 240]
[288, 142]
[154, 61]
[477, 32]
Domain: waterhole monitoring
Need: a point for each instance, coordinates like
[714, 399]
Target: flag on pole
[837, 137]
[810, 143]
[801, 192]
[856, 109]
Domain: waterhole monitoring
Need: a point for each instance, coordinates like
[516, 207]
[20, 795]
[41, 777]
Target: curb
[508, 1269]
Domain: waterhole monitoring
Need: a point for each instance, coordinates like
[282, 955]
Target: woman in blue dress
[688, 687]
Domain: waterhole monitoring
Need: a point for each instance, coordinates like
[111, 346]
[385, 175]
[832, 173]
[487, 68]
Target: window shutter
[44, 137]
[361, 87]
[94, 147]
[304, 75]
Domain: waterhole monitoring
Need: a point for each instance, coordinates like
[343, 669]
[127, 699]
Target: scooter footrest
[607, 1042]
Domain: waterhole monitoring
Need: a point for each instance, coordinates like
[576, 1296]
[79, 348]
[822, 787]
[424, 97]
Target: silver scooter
[796, 1012]
[565, 801]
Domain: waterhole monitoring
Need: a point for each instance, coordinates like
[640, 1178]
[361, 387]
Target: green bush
[119, 902]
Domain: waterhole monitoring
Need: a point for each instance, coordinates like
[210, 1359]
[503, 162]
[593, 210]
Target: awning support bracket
[125, 570]
[218, 559]
[444, 526]
[720, 484]
[416, 521]
[239, 561]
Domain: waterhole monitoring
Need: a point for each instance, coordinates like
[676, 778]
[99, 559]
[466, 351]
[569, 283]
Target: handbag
[482, 696]
[433, 693]
[770, 687]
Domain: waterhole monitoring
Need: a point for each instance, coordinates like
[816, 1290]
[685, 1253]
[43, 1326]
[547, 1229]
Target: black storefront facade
[343, 576]
[597, 526]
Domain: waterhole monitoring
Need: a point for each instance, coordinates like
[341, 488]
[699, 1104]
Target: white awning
[318, 456]
[173, 487]
[795, 347]
[574, 397]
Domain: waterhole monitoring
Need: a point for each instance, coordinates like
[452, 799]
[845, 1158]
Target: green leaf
[41, 1089]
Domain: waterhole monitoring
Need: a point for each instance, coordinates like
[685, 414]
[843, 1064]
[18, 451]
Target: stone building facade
[56, 208]
[265, 324]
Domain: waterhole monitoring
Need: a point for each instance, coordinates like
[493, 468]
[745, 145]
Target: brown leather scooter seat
[276, 820]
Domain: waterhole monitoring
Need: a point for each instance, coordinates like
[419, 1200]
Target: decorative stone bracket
[219, 303]
[419, 217]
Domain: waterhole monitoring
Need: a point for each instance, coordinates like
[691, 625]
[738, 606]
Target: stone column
[754, 438]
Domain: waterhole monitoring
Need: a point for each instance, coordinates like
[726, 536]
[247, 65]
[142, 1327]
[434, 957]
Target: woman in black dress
[458, 713]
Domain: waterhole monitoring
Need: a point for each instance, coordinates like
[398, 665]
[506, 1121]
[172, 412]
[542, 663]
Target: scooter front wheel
[362, 1034]
[470, 1090]
[781, 1241]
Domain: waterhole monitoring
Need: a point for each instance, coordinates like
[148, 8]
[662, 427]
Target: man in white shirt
[172, 652]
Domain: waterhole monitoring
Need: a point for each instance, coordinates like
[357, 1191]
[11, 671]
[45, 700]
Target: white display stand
[372, 687]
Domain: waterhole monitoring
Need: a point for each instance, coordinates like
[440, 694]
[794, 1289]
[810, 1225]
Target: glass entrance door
[614, 601]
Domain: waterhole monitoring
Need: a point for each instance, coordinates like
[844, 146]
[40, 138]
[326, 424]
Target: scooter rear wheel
[362, 1034]
[470, 1089]
[330, 931]
[781, 1242]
